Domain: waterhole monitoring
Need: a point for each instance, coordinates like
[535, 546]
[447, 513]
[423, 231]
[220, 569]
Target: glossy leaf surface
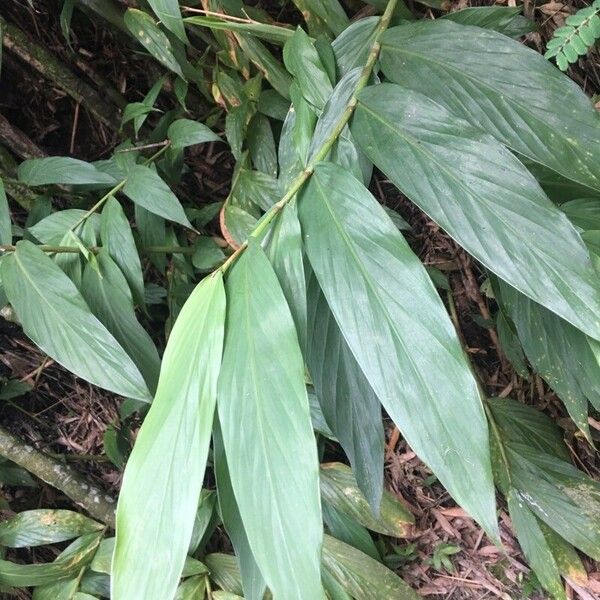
[482, 196]
[55, 316]
[163, 478]
[267, 432]
[357, 252]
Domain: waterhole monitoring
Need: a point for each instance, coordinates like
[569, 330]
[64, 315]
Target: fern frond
[579, 34]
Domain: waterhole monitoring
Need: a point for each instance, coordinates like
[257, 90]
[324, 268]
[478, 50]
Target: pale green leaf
[163, 478]
[267, 438]
[62, 170]
[55, 316]
[5, 222]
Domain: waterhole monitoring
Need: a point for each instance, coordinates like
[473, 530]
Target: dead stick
[18, 141]
[91, 498]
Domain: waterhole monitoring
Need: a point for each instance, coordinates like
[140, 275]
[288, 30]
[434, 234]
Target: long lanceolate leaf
[350, 406]
[267, 432]
[395, 325]
[163, 478]
[534, 109]
[482, 196]
[57, 319]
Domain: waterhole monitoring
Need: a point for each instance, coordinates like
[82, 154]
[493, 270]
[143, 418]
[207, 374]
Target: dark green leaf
[534, 545]
[357, 252]
[482, 196]
[565, 357]
[163, 478]
[339, 489]
[107, 294]
[68, 564]
[146, 188]
[224, 572]
[52, 229]
[118, 240]
[145, 30]
[55, 316]
[62, 170]
[207, 254]
[185, 132]
[350, 406]
[272, 33]
[583, 212]
[352, 46]
[507, 20]
[282, 518]
[471, 71]
[170, 16]
[193, 588]
[44, 526]
[360, 575]
[302, 60]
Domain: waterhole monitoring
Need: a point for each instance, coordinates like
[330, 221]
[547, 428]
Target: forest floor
[65, 416]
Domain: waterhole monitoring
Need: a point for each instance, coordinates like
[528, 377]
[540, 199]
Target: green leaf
[5, 222]
[145, 187]
[44, 526]
[339, 489]
[302, 60]
[253, 583]
[261, 145]
[13, 388]
[62, 170]
[507, 20]
[266, 63]
[224, 572]
[55, 316]
[284, 249]
[63, 590]
[357, 252]
[471, 72]
[163, 478]
[143, 28]
[349, 531]
[583, 212]
[68, 564]
[511, 346]
[193, 588]
[360, 575]
[271, 33]
[52, 228]
[482, 196]
[118, 240]
[350, 406]
[170, 16]
[207, 254]
[107, 294]
[518, 422]
[352, 46]
[185, 132]
[266, 439]
[567, 359]
[563, 497]
[533, 543]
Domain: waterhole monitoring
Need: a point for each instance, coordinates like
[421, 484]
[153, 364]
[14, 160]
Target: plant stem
[327, 144]
[117, 188]
[55, 473]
